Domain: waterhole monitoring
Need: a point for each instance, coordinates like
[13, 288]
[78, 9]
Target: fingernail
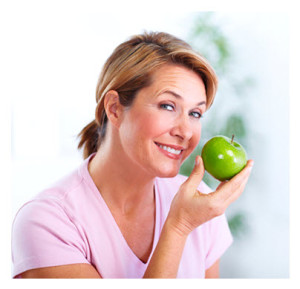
[250, 168]
[250, 164]
[197, 161]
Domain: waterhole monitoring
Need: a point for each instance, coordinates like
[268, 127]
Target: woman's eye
[167, 106]
[196, 114]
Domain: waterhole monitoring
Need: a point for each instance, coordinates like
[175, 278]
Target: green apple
[223, 158]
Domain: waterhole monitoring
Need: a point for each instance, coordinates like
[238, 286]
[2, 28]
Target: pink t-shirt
[71, 223]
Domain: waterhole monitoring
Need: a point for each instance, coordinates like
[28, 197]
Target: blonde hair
[129, 69]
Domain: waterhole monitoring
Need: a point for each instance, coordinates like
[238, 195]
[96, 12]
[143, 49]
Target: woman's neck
[123, 186]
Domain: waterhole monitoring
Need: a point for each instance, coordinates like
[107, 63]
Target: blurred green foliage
[228, 114]
[208, 38]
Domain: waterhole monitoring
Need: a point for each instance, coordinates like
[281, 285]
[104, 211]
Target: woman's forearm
[167, 254]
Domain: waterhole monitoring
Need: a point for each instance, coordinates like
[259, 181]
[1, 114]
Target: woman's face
[162, 127]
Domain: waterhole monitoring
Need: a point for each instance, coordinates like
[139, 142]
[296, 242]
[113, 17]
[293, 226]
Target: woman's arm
[213, 271]
[190, 209]
[65, 271]
[167, 254]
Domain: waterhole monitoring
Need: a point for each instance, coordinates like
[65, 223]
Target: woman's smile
[171, 151]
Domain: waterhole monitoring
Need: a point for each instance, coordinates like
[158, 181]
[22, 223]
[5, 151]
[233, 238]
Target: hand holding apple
[223, 158]
[190, 208]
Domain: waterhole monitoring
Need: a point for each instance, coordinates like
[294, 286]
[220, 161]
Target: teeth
[170, 150]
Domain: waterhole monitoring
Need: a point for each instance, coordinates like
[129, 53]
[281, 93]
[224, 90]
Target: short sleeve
[43, 235]
[220, 239]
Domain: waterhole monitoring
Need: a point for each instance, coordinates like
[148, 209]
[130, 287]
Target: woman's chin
[170, 173]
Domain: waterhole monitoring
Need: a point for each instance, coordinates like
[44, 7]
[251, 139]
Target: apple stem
[232, 139]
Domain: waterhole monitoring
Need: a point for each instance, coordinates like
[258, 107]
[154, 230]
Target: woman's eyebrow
[180, 97]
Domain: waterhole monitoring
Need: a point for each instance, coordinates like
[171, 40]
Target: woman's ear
[113, 107]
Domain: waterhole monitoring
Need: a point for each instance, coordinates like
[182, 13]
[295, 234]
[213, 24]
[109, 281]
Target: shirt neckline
[83, 171]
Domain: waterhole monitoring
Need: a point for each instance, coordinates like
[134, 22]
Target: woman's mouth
[171, 151]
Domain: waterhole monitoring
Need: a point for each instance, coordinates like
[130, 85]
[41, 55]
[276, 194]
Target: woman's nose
[182, 128]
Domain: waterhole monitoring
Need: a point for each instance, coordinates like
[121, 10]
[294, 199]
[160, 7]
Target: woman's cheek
[195, 139]
[197, 133]
[156, 125]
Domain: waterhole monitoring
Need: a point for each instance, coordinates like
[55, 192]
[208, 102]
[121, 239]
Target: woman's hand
[190, 208]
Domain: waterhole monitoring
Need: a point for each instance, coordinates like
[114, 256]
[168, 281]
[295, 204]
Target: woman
[126, 212]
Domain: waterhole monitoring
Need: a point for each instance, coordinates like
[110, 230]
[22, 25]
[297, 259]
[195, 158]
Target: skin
[129, 153]
[127, 162]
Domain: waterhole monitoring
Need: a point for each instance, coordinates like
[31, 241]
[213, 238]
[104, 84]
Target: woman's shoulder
[54, 207]
[58, 196]
[44, 229]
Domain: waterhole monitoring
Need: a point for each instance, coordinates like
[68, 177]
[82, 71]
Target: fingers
[245, 173]
[238, 179]
[236, 194]
[196, 175]
[231, 190]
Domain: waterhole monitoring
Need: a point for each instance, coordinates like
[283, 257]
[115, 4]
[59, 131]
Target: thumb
[196, 175]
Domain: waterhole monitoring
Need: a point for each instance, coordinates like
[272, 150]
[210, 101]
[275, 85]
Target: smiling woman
[126, 212]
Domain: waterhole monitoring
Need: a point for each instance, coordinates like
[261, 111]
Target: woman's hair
[129, 69]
